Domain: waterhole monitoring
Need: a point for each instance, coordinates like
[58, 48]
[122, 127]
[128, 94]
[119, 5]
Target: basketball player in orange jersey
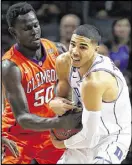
[29, 77]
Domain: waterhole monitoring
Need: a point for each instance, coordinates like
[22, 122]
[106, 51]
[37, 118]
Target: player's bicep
[63, 87]
[11, 79]
[60, 68]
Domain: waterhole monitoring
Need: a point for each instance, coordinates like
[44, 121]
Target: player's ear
[97, 48]
[12, 31]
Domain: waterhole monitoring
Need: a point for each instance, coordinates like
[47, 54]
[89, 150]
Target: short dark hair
[17, 9]
[88, 31]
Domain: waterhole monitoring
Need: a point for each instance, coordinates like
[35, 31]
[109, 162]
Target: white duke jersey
[116, 115]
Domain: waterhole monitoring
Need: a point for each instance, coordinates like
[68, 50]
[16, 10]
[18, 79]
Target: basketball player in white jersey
[103, 92]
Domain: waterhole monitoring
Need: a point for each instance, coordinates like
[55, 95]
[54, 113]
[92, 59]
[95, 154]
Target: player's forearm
[36, 123]
[88, 137]
[62, 89]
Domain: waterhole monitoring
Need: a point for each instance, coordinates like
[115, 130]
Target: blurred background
[58, 19]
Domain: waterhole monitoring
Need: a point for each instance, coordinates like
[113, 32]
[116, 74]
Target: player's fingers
[52, 139]
[62, 113]
[78, 109]
[15, 148]
[67, 101]
[12, 149]
[68, 107]
[52, 135]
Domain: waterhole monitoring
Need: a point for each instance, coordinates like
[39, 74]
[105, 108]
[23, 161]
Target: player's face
[81, 50]
[27, 31]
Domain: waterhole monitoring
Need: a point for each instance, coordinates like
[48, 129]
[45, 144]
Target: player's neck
[87, 66]
[34, 54]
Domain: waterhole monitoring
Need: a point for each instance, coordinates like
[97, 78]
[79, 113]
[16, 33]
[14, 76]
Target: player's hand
[61, 105]
[11, 146]
[57, 143]
[70, 120]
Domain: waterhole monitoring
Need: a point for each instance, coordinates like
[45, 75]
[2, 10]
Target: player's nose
[75, 52]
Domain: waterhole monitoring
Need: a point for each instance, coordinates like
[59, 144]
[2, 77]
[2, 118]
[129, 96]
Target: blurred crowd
[58, 19]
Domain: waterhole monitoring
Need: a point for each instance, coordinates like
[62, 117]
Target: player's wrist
[57, 123]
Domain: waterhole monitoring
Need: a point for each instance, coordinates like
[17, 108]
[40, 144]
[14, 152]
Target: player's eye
[72, 44]
[36, 25]
[27, 28]
[83, 47]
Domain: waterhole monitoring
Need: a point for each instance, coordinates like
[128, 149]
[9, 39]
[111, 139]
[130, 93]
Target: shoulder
[63, 59]
[91, 82]
[7, 64]
[8, 54]
[63, 63]
[95, 81]
[9, 68]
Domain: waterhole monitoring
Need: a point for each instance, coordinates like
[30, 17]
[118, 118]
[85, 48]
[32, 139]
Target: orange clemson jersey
[38, 81]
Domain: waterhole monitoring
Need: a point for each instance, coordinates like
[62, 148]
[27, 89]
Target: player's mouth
[76, 60]
[36, 39]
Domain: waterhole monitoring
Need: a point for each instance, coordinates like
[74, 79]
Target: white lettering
[29, 87]
[41, 78]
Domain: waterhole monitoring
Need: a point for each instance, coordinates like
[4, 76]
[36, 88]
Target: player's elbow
[23, 121]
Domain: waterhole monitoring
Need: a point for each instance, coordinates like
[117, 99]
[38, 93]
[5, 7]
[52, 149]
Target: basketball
[63, 134]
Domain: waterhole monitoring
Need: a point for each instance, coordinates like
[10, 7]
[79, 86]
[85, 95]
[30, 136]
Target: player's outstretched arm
[91, 93]
[11, 79]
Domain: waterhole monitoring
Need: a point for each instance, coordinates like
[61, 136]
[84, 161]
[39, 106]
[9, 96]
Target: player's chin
[76, 64]
[35, 46]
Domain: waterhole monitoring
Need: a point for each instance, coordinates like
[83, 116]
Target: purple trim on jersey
[79, 75]
[38, 61]
[108, 153]
[105, 125]
[81, 78]
[117, 121]
[70, 75]
[97, 62]
[33, 60]
[69, 80]
[108, 102]
[16, 46]
[99, 157]
[113, 100]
